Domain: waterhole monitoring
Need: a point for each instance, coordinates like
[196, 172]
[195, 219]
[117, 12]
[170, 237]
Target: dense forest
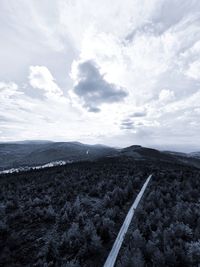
[165, 230]
[67, 215]
[70, 215]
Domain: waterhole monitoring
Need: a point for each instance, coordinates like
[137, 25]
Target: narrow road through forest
[110, 262]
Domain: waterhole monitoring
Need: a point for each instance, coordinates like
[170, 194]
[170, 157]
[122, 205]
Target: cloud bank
[114, 72]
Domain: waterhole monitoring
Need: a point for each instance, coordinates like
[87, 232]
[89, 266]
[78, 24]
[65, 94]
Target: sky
[117, 72]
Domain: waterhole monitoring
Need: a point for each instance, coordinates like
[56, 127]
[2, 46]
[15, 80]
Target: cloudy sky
[102, 71]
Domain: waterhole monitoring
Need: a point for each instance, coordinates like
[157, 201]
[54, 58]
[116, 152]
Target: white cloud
[194, 70]
[24, 117]
[41, 78]
[141, 46]
[143, 63]
[166, 95]
[7, 90]
[114, 17]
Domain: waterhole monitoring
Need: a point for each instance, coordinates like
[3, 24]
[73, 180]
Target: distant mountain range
[33, 153]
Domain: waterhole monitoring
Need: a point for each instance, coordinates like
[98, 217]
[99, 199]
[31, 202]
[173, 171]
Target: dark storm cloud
[94, 109]
[139, 114]
[94, 90]
[127, 124]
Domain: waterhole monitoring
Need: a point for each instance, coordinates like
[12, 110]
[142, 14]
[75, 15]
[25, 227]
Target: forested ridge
[70, 215]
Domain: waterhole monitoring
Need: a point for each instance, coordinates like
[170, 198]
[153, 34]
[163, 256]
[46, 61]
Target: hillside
[34, 153]
[149, 154]
[195, 154]
[37, 153]
[70, 215]
[165, 230]
[67, 215]
[139, 152]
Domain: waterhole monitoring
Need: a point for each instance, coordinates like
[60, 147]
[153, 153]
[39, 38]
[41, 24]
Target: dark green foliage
[166, 227]
[67, 215]
[70, 215]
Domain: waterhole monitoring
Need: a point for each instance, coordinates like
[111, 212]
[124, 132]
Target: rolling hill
[33, 153]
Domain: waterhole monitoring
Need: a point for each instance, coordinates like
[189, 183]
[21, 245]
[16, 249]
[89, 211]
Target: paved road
[110, 262]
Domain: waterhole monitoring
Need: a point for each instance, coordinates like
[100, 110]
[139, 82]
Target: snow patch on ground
[27, 168]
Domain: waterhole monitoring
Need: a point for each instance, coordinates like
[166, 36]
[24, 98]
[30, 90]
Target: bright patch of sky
[113, 72]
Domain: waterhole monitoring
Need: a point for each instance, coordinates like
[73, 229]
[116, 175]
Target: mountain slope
[195, 154]
[35, 153]
[139, 152]
[144, 153]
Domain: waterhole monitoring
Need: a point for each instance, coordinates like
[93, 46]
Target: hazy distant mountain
[187, 158]
[32, 153]
[144, 153]
[28, 142]
[195, 154]
[140, 152]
